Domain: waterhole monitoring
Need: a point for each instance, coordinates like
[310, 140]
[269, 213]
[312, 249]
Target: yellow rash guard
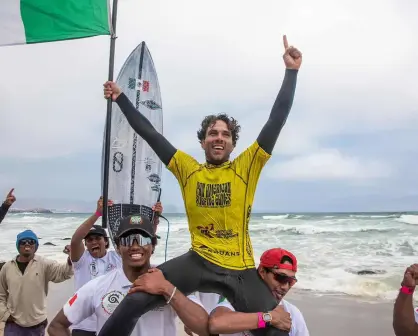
[218, 202]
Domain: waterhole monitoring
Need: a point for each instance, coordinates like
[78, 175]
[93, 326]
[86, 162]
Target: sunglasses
[130, 239]
[27, 241]
[283, 278]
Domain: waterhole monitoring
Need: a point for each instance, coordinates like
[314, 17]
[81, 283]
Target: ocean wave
[316, 230]
[408, 219]
[275, 217]
[375, 216]
[381, 285]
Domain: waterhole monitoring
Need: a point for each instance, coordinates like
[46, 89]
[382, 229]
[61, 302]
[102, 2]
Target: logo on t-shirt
[111, 300]
[93, 268]
[110, 267]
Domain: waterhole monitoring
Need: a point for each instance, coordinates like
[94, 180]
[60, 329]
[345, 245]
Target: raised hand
[292, 57]
[10, 198]
[111, 90]
[100, 205]
[410, 278]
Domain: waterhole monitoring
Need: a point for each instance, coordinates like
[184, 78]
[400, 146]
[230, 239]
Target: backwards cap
[135, 223]
[273, 258]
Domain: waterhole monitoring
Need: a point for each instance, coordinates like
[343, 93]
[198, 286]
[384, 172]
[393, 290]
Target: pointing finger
[11, 192]
[285, 43]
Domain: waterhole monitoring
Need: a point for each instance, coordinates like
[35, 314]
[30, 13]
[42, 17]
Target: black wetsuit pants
[245, 290]
[79, 332]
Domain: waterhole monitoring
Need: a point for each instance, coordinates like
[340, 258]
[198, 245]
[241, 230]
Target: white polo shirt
[88, 268]
[102, 295]
[298, 328]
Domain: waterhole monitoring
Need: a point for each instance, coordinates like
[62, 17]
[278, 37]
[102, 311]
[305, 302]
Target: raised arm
[141, 125]
[268, 136]
[77, 247]
[4, 208]
[404, 323]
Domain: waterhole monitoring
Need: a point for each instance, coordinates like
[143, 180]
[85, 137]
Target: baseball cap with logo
[96, 230]
[275, 258]
[135, 223]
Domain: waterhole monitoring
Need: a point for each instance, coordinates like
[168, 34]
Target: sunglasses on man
[27, 241]
[283, 278]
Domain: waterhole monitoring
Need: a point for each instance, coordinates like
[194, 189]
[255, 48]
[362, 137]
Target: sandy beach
[324, 315]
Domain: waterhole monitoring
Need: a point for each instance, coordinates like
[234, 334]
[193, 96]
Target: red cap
[272, 259]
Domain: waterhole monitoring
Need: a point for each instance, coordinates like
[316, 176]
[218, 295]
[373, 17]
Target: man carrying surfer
[136, 241]
[93, 259]
[218, 196]
[278, 269]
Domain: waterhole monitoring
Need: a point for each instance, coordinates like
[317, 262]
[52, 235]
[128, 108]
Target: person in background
[4, 208]
[405, 317]
[24, 287]
[136, 242]
[93, 258]
[278, 269]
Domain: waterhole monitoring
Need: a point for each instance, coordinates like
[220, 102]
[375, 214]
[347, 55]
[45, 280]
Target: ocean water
[331, 248]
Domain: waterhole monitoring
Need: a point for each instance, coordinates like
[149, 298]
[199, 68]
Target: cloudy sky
[350, 143]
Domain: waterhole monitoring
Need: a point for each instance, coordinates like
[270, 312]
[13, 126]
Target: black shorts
[79, 332]
[245, 290]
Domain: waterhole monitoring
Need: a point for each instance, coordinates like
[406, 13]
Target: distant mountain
[33, 210]
[71, 206]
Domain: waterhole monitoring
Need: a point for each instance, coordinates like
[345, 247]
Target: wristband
[261, 323]
[98, 213]
[407, 290]
[172, 294]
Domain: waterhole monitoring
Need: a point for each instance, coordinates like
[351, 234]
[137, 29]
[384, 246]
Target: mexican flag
[37, 21]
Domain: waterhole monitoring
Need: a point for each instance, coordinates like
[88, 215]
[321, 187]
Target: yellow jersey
[218, 202]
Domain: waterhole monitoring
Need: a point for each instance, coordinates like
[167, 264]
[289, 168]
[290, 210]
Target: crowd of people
[102, 277]
[214, 289]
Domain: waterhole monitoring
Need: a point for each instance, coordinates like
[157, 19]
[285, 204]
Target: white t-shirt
[88, 268]
[102, 295]
[298, 328]
[209, 300]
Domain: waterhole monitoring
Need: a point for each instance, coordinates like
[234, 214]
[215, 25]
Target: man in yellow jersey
[218, 196]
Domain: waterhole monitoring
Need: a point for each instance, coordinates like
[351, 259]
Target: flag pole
[109, 116]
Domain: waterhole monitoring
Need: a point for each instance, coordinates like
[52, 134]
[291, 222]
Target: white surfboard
[134, 168]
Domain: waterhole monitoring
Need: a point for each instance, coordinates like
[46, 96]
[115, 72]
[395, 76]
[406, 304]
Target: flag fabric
[37, 21]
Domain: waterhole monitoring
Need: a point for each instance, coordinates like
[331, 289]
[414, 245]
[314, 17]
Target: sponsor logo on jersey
[111, 300]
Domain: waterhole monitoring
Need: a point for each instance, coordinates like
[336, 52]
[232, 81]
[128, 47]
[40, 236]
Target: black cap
[135, 223]
[96, 230]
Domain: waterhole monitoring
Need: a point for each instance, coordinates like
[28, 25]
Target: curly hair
[210, 120]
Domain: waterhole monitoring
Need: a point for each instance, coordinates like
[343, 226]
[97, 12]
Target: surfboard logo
[138, 84]
[155, 180]
[151, 104]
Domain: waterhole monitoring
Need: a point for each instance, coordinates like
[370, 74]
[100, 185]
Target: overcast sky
[350, 142]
